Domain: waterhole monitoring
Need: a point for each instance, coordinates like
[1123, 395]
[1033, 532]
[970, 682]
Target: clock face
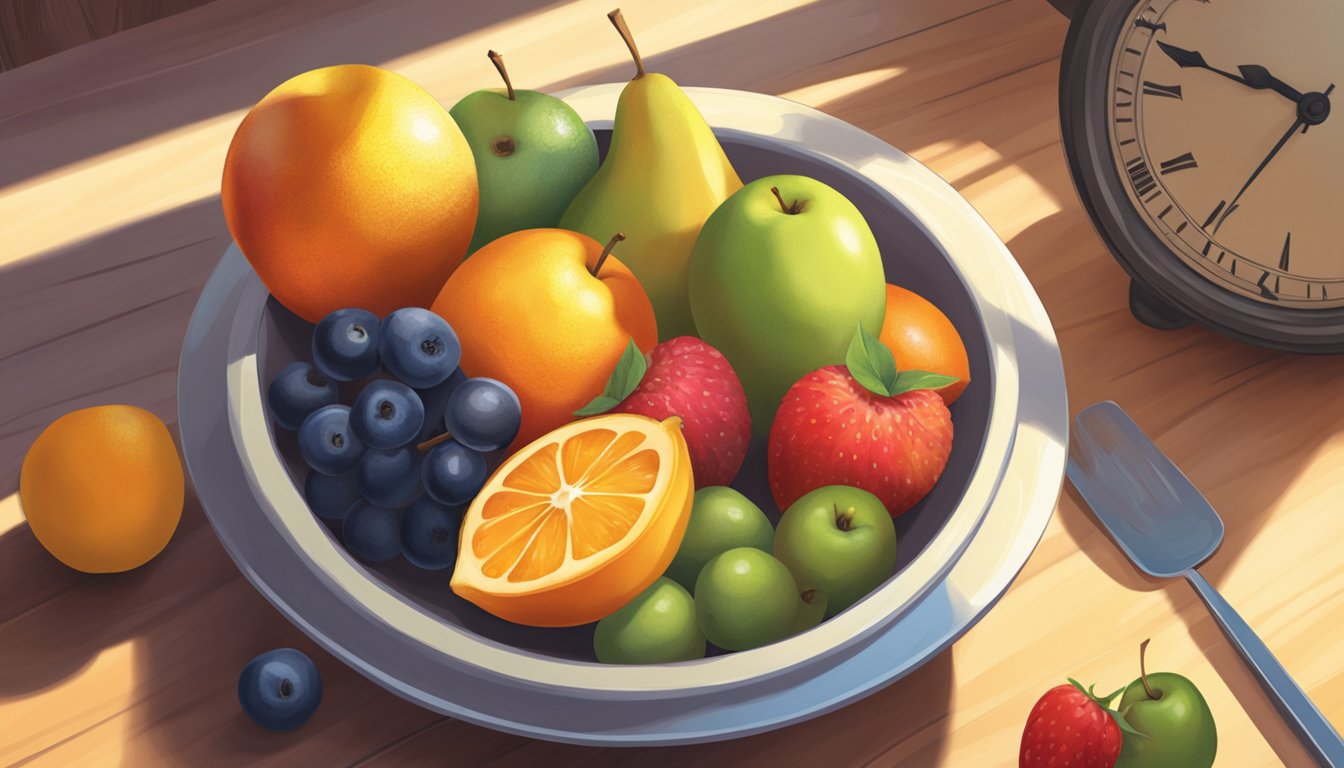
[1222, 132]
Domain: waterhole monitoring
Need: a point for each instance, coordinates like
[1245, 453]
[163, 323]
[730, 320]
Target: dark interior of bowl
[912, 260]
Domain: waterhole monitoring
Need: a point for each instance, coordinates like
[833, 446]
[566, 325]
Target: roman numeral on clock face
[1157, 89]
[1178, 163]
[1140, 176]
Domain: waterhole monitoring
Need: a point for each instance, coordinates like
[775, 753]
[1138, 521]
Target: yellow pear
[663, 176]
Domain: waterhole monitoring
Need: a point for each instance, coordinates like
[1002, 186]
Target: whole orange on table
[350, 186]
[921, 338]
[529, 312]
[102, 488]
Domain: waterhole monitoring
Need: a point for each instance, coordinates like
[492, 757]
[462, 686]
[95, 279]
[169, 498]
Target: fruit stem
[433, 441]
[606, 251]
[1143, 672]
[498, 61]
[618, 21]
[807, 595]
[786, 207]
[843, 520]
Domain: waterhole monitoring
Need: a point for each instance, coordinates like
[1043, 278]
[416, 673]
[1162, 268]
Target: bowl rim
[750, 118]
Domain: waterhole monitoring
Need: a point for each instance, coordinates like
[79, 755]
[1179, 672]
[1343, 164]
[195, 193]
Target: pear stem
[498, 61]
[618, 21]
[433, 441]
[786, 207]
[606, 251]
[1143, 672]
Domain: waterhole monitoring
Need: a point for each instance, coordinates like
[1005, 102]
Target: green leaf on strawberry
[872, 365]
[1105, 703]
[627, 374]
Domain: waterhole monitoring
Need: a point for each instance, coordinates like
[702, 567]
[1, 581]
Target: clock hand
[1313, 109]
[1252, 75]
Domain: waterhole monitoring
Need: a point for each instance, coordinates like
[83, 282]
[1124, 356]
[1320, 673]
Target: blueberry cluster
[398, 464]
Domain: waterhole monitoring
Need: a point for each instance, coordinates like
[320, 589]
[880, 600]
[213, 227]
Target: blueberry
[280, 689]
[345, 344]
[419, 347]
[389, 479]
[330, 496]
[429, 534]
[386, 415]
[483, 414]
[326, 442]
[372, 533]
[297, 391]
[453, 473]
[436, 400]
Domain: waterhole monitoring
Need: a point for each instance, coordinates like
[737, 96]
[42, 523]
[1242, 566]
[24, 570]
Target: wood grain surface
[110, 156]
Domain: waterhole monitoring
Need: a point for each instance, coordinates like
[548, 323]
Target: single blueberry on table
[418, 347]
[372, 534]
[429, 533]
[389, 479]
[435, 400]
[483, 414]
[387, 414]
[345, 344]
[330, 496]
[453, 473]
[297, 391]
[327, 443]
[280, 689]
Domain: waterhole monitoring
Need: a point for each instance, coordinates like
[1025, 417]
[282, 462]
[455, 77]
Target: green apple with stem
[779, 276]
[840, 540]
[533, 154]
[745, 598]
[1176, 726]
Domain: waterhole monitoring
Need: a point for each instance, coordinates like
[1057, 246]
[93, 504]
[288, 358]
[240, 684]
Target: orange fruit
[350, 186]
[578, 523]
[529, 312]
[921, 338]
[102, 488]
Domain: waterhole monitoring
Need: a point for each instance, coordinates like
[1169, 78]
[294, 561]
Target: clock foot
[1152, 311]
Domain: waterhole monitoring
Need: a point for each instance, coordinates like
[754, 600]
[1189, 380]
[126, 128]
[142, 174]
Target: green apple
[745, 598]
[657, 627]
[1175, 722]
[781, 273]
[839, 540]
[533, 154]
[721, 519]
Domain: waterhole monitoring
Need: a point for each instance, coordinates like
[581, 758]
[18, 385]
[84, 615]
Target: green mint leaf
[599, 404]
[871, 363]
[627, 374]
[908, 381]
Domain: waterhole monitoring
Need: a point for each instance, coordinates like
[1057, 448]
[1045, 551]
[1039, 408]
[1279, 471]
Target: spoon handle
[1317, 735]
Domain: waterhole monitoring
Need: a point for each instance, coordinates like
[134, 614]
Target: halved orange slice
[577, 523]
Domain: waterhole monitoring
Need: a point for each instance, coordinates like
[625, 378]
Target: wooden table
[110, 156]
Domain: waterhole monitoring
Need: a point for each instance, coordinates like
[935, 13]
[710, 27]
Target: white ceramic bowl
[404, 628]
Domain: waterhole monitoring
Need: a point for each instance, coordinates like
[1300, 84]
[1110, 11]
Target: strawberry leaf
[625, 377]
[1105, 704]
[871, 363]
[908, 381]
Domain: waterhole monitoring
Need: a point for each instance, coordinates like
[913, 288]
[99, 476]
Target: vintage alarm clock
[1201, 138]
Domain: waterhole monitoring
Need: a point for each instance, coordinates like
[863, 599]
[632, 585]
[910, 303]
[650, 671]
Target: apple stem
[498, 61]
[618, 21]
[787, 208]
[606, 251]
[433, 441]
[807, 595]
[1143, 672]
[844, 520]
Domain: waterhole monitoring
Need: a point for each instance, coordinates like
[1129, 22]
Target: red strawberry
[688, 378]
[832, 430]
[1071, 728]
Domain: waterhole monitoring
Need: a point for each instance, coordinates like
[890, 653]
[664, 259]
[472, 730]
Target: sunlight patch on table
[819, 94]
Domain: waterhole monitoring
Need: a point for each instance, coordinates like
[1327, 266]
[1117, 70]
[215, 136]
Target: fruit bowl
[403, 628]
